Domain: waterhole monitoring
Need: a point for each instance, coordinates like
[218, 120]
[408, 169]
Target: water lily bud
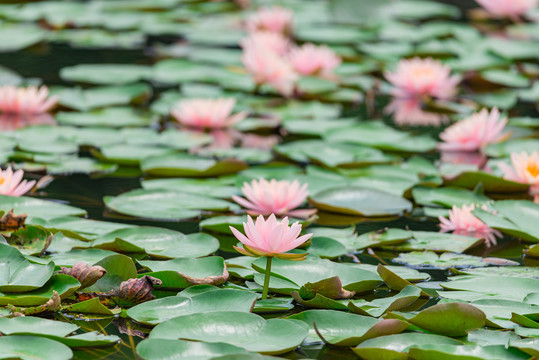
[86, 274]
[137, 290]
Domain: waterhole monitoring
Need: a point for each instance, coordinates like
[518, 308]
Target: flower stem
[267, 278]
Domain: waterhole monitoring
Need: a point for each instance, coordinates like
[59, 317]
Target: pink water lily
[524, 169]
[474, 132]
[274, 42]
[30, 100]
[267, 67]
[311, 59]
[205, 113]
[263, 197]
[10, 122]
[462, 222]
[508, 8]
[11, 183]
[270, 238]
[423, 77]
[273, 19]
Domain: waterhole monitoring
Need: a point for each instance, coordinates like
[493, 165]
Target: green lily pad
[183, 165]
[447, 197]
[158, 242]
[114, 117]
[15, 37]
[359, 201]
[157, 311]
[105, 74]
[343, 329]
[41, 349]
[396, 347]
[491, 183]
[64, 285]
[246, 330]
[443, 261]
[465, 351]
[165, 205]
[37, 207]
[183, 272]
[167, 349]
[20, 275]
[407, 296]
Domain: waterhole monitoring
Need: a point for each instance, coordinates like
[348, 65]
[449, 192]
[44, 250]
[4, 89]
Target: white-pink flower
[263, 197]
[274, 42]
[207, 113]
[11, 183]
[423, 77]
[408, 111]
[524, 169]
[273, 19]
[30, 100]
[270, 238]
[310, 59]
[508, 8]
[266, 67]
[475, 132]
[462, 222]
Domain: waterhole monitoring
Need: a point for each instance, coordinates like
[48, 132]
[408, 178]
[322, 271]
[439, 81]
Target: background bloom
[524, 169]
[508, 8]
[408, 111]
[30, 100]
[270, 238]
[205, 113]
[310, 59]
[265, 197]
[274, 42]
[11, 184]
[273, 19]
[423, 77]
[266, 67]
[474, 132]
[462, 222]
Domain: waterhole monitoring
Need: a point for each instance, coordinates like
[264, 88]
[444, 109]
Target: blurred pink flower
[265, 197]
[475, 132]
[462, 222]
[423, 77]
[270, 238]
[253, 141]
[266, 67]
[30, 100]
[464, 157]
[206, 113]
[273, 19]
[508, 8]
[9, 122]
[310, 59]
[408, 111]
[11, 184]
[271, 41]
[524, 169]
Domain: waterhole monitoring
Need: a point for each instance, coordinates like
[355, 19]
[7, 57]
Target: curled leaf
[86, 274]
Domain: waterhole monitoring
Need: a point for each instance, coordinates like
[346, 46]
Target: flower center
[533, 169]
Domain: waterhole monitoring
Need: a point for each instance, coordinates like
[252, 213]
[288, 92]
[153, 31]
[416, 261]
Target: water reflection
[10, 122]
[409, 111]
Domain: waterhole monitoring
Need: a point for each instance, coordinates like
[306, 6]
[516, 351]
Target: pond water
[372, 163]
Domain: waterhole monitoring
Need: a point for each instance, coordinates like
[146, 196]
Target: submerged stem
[267, 278]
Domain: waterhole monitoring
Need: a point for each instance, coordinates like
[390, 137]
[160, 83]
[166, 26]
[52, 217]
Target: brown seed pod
[86, 274]
[137, 290]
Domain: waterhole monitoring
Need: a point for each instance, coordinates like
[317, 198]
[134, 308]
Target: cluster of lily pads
[417, 190]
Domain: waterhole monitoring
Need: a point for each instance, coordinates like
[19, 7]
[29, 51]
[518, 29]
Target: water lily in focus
[270, 238]
[207, 113]
[408, 111]
[11, 183]
[508, 8]
[263, 197]
[267, 67]
[272, 19]
[462, 222]
[423, 77]
[274, 42]
[311, 59]
[30, 100]
[524, 169]
[474, 132]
